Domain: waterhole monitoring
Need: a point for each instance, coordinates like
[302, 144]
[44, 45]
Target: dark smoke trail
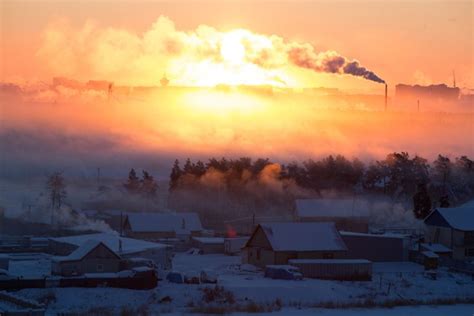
[330, 62]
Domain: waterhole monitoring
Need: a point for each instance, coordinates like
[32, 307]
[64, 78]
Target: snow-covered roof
[429, 254]
[331, 261]
[209, 240]
[82, 251]
[385, 235]
[435, 247]
[460, 218]
[303, 236]
[181, 223]
[103, 214]
[129, 245]
[331, 208]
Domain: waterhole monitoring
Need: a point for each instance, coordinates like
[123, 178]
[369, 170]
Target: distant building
[91, 257]
[434, 93]
[347, 214]
[160, 254]
[453, 228]
[209, 244]
[99, 85]
[276, 243]
[156, 226]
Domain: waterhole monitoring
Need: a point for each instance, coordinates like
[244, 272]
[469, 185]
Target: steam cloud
[108, 53]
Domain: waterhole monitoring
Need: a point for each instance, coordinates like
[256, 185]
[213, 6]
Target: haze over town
[236, 157]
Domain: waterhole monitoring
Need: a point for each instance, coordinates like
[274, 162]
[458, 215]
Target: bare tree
[57, 192]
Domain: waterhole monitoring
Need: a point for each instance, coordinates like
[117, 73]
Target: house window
[469, 252]
[100, 267]
[328, 255]
[436, 235]
[469, 238]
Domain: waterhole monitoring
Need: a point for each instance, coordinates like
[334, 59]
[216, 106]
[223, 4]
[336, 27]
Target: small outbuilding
[347, 214]
[234, 245]
[276, 243]
[376, 247]
[438, 249]
[91, 257]
[209, 244]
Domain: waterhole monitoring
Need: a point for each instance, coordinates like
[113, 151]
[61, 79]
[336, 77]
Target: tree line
[443, 182]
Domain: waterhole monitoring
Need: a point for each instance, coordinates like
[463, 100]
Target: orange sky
[403, 41]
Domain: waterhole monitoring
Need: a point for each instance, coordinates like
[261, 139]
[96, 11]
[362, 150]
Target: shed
[234, 245]
[376, 247]
[209, 244]
[439, 249]
[155, 226]
[276, 243]
[347, 214]
[91, 257]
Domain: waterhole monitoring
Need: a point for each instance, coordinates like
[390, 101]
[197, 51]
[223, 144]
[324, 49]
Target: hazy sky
[403, 41]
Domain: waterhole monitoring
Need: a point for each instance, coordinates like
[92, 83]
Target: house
[209, 244]
[453, 228]
[347, 214]
[387, 247]
[127, 248]
[276, 243]
[155, 226]
[91, 257]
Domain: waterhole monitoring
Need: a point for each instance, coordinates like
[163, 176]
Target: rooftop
[129, 245]
[181, 223]
[303, 236]
[82, 251]
[460, 218]
[210, 240]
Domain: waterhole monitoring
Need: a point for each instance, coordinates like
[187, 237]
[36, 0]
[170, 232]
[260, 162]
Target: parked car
[284, 272]
[175, 277]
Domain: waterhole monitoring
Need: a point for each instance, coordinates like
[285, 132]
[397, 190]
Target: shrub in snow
[217, 294]
[47, 298]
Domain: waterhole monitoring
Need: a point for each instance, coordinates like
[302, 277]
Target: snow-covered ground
[391, 281]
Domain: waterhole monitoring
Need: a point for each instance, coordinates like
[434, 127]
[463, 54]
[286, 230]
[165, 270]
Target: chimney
[386, 87]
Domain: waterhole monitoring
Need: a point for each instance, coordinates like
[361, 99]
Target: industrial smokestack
[386, 96]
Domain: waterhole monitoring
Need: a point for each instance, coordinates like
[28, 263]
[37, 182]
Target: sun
[232, 48]
[234, 67]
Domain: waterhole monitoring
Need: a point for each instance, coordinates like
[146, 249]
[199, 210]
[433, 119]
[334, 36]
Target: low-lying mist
[78, 132]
